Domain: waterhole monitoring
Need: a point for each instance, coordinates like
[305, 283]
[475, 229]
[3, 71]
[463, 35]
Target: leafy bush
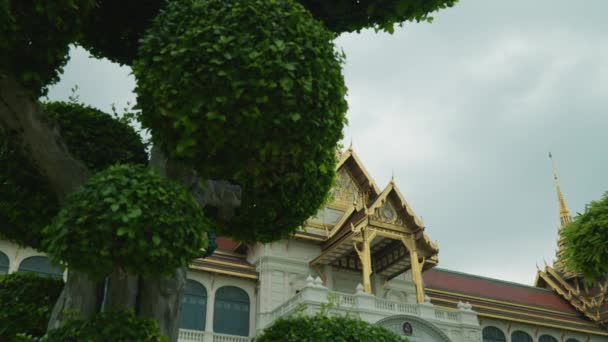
[249, 91]
[35, 37]
[95, 137]
[115, 27]
[354, 15]
[585, 240]
[27, 203]
[321, 328]
[127, 218]
[115, 326]
[26, 303]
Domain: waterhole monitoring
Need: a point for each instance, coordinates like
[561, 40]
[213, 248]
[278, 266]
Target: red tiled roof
[495, 289]
[505, 300]
[225, 243]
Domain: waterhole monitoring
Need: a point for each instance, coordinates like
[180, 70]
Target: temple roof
[226, 260]
[515, 302]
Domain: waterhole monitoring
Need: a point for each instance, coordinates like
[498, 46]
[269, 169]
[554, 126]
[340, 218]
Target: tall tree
[245, 102]
[585, 241]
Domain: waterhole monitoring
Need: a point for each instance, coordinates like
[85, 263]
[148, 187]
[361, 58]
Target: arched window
[547, 338]
[193, 312]
[520, 336]
[493, 334]
[231, 311]
[41, 266]
[3, 263]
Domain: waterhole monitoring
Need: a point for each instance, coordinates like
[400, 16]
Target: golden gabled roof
[350, 159]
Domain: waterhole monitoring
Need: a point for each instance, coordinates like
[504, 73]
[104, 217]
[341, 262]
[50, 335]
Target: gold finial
[564, 214]
[393, 176]
[350, 147]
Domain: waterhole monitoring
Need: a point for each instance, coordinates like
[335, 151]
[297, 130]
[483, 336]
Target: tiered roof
[508, 301]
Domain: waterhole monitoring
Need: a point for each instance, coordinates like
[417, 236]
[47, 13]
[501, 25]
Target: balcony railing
[186, 335]
[315, 295]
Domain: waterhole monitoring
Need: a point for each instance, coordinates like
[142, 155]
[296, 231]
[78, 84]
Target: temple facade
[368, 255]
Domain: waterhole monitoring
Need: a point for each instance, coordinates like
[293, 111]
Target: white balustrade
[229, 338]
[186, 335]
[191, 335]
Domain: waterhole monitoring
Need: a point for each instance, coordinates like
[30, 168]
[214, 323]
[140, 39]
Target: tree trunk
[22, 117]
[121, 291]
[160, 299]
[80, 294]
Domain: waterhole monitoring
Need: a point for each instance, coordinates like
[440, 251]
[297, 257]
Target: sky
[463, 111]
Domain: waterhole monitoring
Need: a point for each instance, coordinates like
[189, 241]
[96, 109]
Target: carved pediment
[347, 192]
[388, 213]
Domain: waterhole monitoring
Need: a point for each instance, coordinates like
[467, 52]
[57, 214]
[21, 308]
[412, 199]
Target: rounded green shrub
[26, 303]
[27, 203]
[95, 137]
[115, 27]
[348, 16]
[35, 37]
[115, 326]
[585, 241]
[127, 218]
[321, 328]
[249, 91]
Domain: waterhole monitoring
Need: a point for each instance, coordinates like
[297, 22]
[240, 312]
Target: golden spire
[564, 217]
[564, 214]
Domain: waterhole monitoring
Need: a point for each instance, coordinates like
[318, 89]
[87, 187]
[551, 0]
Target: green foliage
[354, 15]
[27, 203]
[115, 27]
[249, 91]
[115, 326]
[586, 239]
[96, 138]
[321, 328]
[26, 303]
[127, 218]
[35, 37]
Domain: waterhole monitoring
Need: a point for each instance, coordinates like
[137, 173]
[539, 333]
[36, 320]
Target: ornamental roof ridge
[350, 154]
[392, 187]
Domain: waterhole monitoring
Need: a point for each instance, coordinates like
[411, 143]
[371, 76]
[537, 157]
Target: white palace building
[370, 256]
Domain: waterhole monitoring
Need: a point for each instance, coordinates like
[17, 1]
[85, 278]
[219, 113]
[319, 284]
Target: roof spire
[564, 214]
[564, 217]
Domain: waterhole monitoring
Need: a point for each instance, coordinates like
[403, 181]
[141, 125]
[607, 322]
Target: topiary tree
[585, 240]
[27, 300]
[118, 325]
[27, 202]
[321, 328]
[245, 103]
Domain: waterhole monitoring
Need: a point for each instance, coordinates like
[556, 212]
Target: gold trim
[499, 301]
[542, 324]
[229, 264]
[519, 312]
[215, 270]
[302, 236]
[226, 252]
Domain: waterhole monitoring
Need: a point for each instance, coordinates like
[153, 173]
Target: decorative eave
[357, 167]
[592, 306]
[402, 203]
[226, 263]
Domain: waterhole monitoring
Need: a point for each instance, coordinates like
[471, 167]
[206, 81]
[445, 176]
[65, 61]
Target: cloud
[463, 111]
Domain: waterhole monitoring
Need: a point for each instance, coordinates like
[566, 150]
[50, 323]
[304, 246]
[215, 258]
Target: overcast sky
[464, 111]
